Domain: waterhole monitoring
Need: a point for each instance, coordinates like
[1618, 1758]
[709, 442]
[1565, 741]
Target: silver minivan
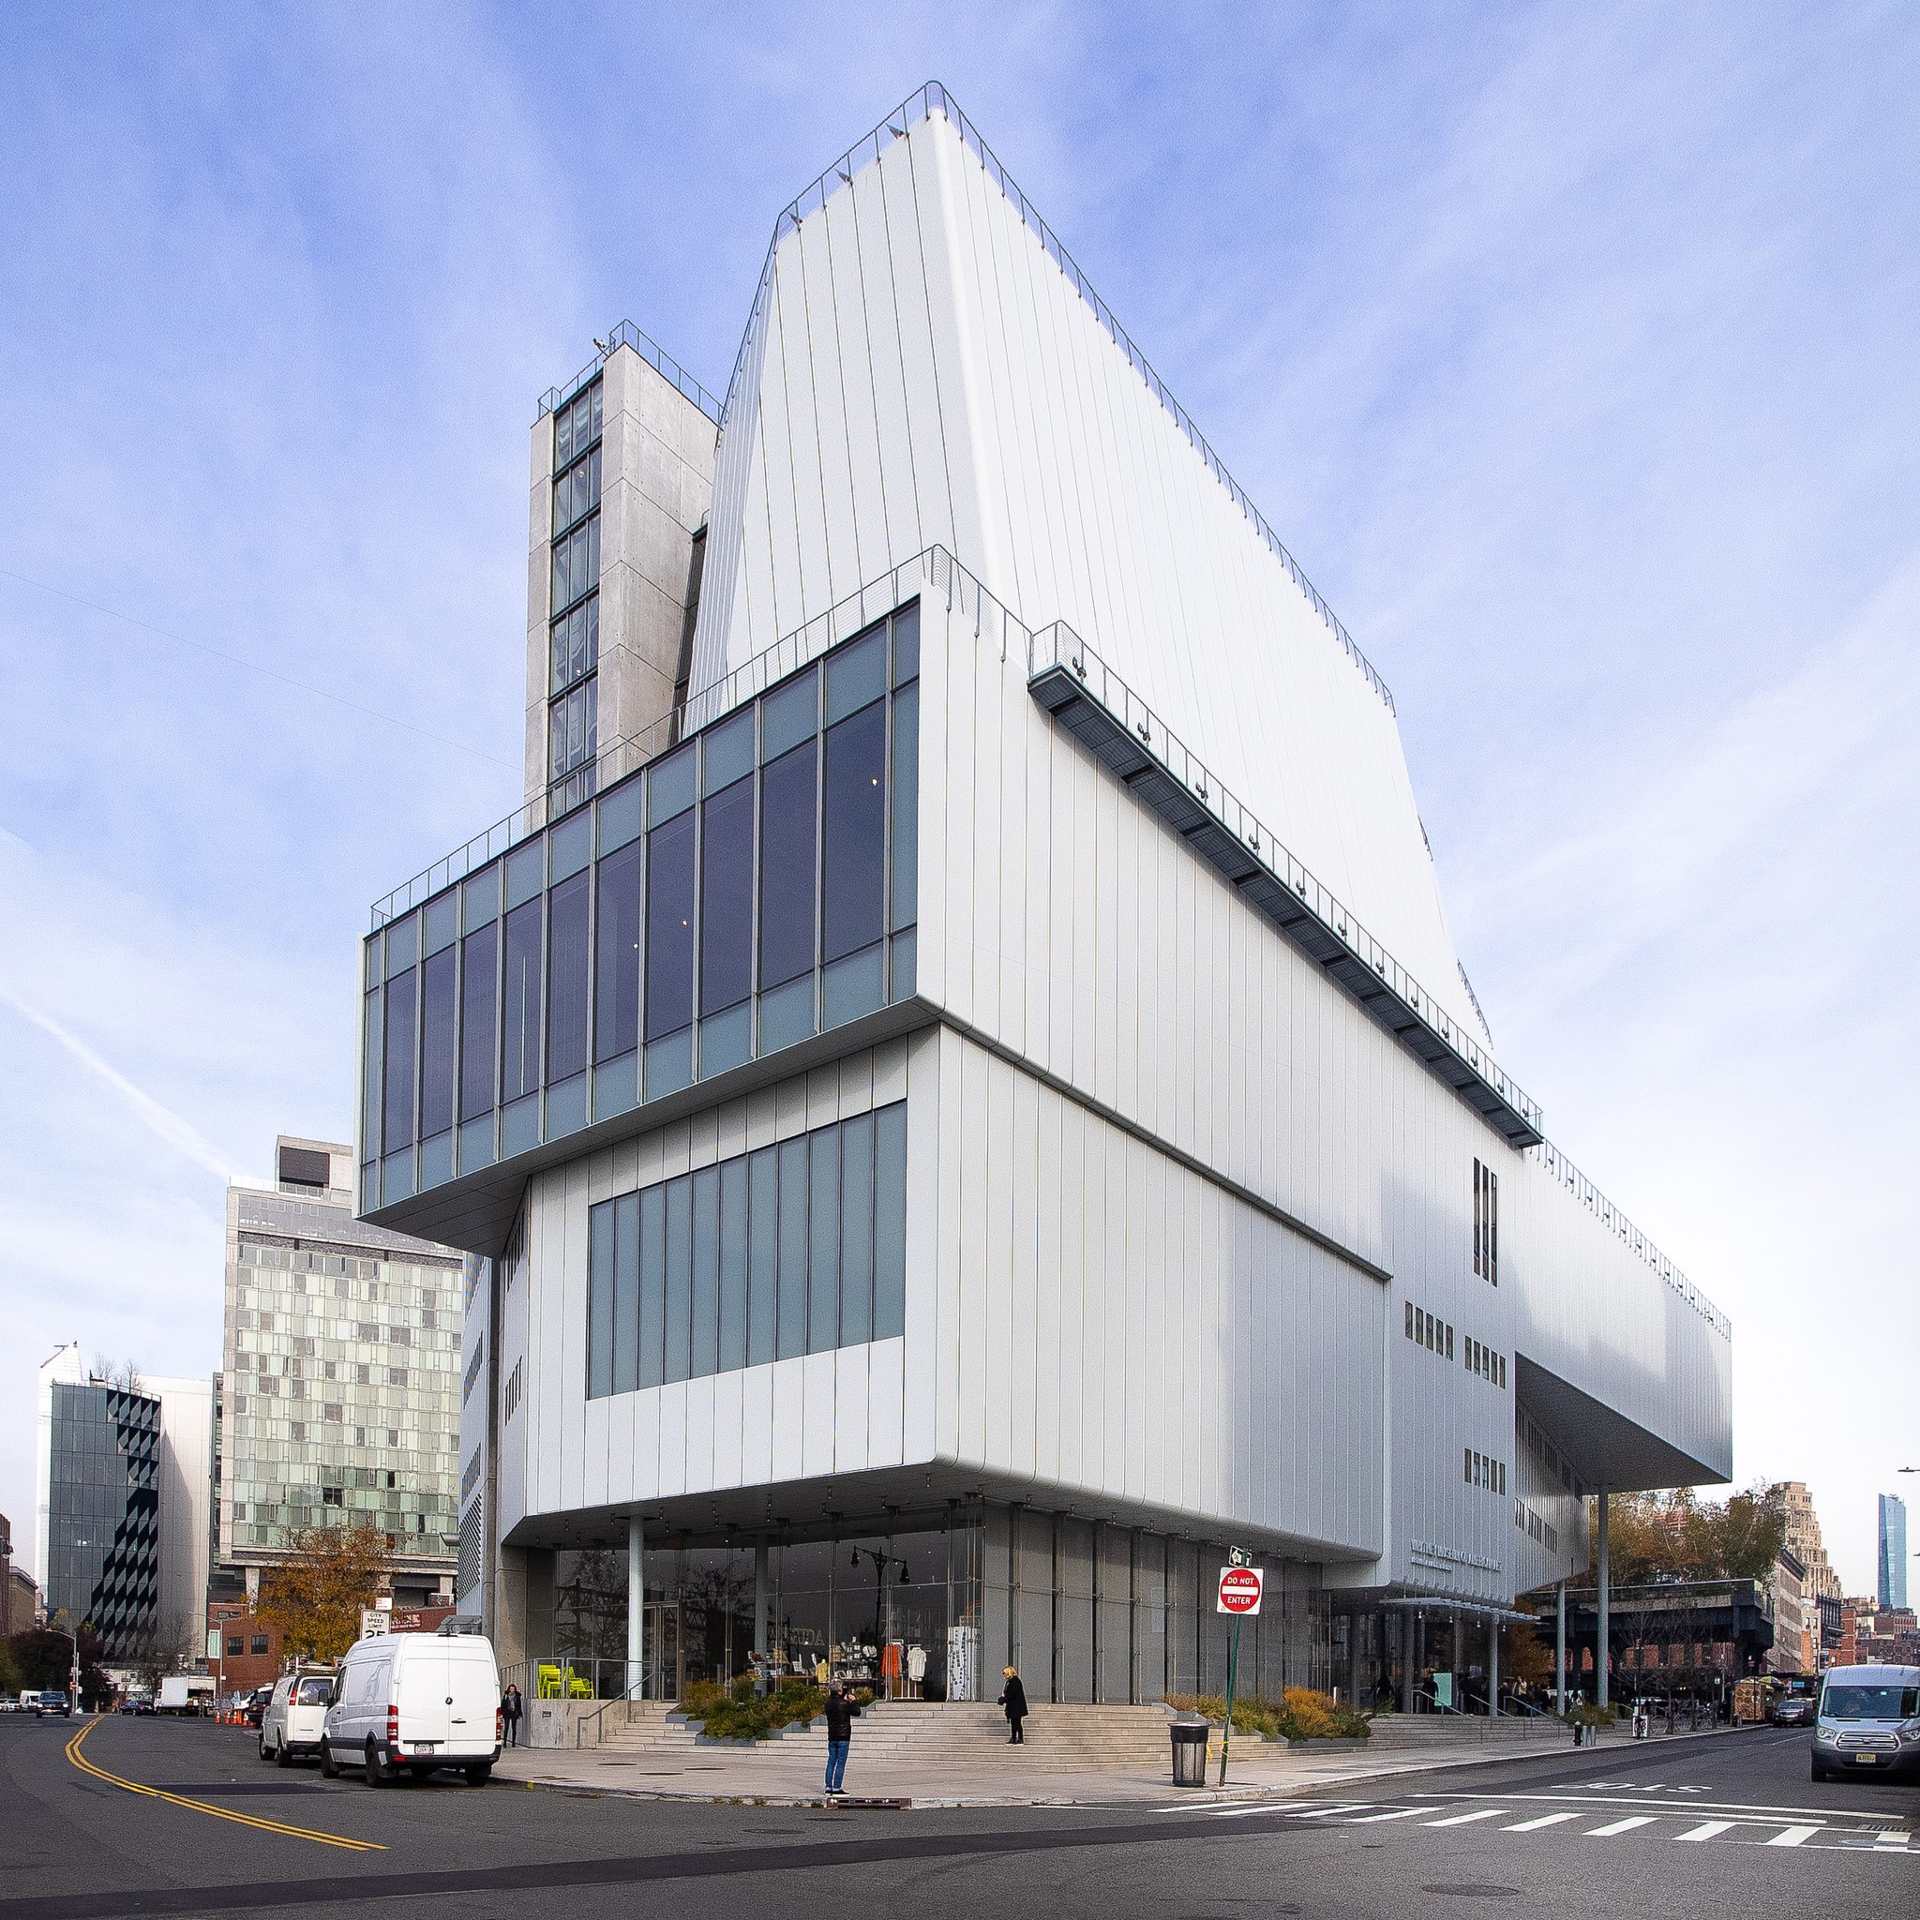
[1868, 1721]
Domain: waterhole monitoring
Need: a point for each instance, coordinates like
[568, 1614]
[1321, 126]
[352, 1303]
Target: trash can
[1189, 1739]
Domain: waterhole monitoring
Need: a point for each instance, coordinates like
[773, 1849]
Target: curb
[1196, 1796]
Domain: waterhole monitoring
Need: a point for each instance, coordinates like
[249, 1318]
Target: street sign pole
[1233, 1668]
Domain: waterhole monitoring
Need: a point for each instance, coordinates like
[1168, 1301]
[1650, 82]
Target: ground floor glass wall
[932, 1606]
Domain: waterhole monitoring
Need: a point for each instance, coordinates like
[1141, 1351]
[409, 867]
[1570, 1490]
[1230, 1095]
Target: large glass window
[616, 986]
[906, 807]
[479, 961]
[397, 1107]
[576, 491]
[573, 728]
[786, 867]
[726, 898]
[567, 979]
[576, 644]
[853, 873]
[791, 1249]
[436, 1044]
[520, 1026]
[670, 927]
[576, 563]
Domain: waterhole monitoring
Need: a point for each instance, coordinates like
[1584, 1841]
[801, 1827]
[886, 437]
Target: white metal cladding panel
[1232, 1368]
[817, 1414]
[511, 1487]
[1063, 921]
[925, 373]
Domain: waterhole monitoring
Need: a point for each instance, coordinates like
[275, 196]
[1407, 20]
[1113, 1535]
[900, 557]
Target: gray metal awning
[1445, 1603]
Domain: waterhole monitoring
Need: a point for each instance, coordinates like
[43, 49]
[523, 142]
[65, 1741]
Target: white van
[1867, 1717]
[410, 1702]
[296, 1715]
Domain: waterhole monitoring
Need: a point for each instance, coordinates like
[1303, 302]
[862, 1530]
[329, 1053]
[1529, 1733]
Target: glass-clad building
[103, 1537]
[956, 1081]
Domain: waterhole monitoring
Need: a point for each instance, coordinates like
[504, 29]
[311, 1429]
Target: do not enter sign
[1240, 1589]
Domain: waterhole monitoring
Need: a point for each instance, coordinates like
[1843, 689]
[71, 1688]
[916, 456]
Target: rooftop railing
[918, 107]
[626, 334]
[936, 574]
[627, 755]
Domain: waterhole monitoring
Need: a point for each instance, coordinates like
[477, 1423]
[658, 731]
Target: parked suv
[1869, 1718]
[296, 1714]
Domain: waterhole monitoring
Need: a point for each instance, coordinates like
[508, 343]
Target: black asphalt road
[1729, 1825]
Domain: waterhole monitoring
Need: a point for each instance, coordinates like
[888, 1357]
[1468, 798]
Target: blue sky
[1572, 349]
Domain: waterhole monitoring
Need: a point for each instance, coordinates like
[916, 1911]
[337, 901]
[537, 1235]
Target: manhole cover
[1474, 1891]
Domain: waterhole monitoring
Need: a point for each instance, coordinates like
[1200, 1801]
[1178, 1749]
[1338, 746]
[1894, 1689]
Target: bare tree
[122, 1374]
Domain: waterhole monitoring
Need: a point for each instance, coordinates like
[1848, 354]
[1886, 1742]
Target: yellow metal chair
[547, 1683]
[579, 1687]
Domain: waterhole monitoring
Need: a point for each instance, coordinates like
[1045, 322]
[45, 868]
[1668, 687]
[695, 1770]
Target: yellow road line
[86, 1766]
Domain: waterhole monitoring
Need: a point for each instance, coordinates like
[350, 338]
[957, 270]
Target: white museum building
[957, 1074]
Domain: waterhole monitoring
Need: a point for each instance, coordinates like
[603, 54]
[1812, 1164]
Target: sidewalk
[775, 1779]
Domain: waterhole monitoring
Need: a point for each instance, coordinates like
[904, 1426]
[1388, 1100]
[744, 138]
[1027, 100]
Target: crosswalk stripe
[1321, 1813]
[1534, 1826]
[1466, 1819]
[1706, 1830]
[1793, 1837]
[1620, 1826]
[1399, 1813]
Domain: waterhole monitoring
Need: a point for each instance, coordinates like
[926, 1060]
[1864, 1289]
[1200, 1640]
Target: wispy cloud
[175, 1129]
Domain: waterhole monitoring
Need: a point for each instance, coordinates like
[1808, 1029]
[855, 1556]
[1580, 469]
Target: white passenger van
[296, 1715]
[410, 1702]
[1868, 1718]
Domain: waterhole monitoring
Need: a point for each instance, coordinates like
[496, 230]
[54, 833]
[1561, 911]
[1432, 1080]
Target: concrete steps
[965, 1737]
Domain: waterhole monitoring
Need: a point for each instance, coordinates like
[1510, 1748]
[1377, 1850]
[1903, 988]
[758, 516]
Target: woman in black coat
[1013, 1697]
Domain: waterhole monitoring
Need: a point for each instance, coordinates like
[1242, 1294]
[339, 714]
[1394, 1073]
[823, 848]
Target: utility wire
[254, 666]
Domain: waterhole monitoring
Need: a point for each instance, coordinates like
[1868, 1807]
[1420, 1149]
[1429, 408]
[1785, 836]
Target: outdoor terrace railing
[626, 334]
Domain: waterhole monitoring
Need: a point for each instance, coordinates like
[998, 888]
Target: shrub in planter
[700, 1697]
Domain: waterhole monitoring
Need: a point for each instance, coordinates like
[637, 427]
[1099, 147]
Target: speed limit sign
[1240, 1589]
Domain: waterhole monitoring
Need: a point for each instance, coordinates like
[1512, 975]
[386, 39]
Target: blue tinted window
[478, 988]
[616, 988]
[567, 979]
[823, 1227]
[706, 1272]
[791, 1328]
[906, 807]
[789, 715]
[397, 1106]
[436, 1045]
[670, 927]
[520, 1026]
[853, 877]
[679, 1279]
[733, 1263]
[786, 867]
[653, 1283]
[763, 1253]
[626, 1300]
[726, 898]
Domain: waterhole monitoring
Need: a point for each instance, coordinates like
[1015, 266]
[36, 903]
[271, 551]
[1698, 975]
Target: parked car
[411, 1702]
[296, 1715]
[1793, 1710]
[256, 1705]
[1868, 1717]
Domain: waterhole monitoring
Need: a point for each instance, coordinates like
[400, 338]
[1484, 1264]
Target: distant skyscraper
[1893, 1550]
[339, 1373]
[122, 1510]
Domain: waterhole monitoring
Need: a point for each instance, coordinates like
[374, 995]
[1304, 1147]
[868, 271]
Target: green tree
[1676, 1535]
[315, 1597]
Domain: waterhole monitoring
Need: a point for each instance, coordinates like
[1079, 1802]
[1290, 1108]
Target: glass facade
[932, 1605]
[103, 1521]
[753, 887]
[341, 1383]
[794, 1248]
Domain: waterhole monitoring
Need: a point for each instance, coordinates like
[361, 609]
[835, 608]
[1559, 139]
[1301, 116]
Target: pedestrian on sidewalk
[510, 1713]
[1013, 1697]
[842, 1711]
